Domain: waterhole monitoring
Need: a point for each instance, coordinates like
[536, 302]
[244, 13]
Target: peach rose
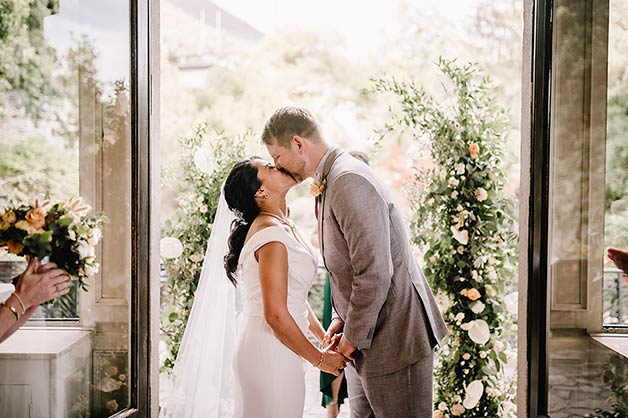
[112, 405]
[317, 187]
[457, 409]
[474, 150]
[15, 247]
[112, 371]
[438, 414]
[473, 294]
[36, 217]
[9, 217]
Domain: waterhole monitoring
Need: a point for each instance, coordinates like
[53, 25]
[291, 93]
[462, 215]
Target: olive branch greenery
[463, 221]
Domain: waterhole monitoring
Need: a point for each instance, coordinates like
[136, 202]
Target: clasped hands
[338, 350]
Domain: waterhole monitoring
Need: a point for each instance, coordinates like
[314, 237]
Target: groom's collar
[321, 164]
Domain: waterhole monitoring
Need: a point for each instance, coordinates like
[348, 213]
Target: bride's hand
[333, 362]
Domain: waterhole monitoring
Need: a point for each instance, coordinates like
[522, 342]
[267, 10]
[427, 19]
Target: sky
[362, 22]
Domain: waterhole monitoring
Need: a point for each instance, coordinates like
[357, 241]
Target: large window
[583, 352]
[74, 122]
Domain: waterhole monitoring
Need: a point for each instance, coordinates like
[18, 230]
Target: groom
[388, 317]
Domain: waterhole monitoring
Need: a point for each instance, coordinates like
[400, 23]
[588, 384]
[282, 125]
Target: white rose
[511, 300]
[459, 316]
[91, 270]
[483, 354]
[492, 275]
[170, 247]
[454, 194]
[481, 194]
[85, 250]
[475, 275]
[490, 291]
[460, 168]
[498, 346]
[462, 236]
[442, 406]
[478, 331]
[95, 237]
[453, 182]
[204, 160]
[474, 393]
[477, 307]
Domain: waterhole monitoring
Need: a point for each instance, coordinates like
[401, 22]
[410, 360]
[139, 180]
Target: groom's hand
[346, 348]
[334, 328]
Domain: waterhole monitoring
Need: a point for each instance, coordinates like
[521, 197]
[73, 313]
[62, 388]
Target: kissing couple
[386, 322]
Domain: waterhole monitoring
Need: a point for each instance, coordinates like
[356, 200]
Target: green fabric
[326, 379]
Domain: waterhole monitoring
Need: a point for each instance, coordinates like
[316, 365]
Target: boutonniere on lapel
[318, 186]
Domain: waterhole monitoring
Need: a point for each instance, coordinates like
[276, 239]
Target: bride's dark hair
[240, 188]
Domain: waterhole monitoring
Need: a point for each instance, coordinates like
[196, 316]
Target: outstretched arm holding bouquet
[39, 283]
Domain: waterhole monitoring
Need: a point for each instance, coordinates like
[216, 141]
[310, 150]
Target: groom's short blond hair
[289, 121]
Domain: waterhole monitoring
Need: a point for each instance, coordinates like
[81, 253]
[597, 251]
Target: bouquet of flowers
[65, 232]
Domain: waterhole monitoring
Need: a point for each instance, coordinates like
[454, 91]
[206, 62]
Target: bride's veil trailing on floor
[202, 382]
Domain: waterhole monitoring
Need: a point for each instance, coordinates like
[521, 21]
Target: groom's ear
[298, 141]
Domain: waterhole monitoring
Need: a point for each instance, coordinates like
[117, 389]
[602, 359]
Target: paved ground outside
[313, 408]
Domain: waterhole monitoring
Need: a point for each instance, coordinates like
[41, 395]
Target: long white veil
[202, 384]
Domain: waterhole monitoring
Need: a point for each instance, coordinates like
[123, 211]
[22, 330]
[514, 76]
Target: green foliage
[198, 197]
[35, 166]
[26, 60]
[464, 222]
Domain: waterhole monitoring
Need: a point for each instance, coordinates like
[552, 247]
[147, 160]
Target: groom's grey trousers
[406, 393]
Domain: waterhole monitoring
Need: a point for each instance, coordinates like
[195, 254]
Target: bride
[260, 372]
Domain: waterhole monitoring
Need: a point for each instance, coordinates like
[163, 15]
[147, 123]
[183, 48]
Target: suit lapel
[329, 162]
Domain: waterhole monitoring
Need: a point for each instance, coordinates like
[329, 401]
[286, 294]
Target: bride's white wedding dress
[270, 378]
[219, 374]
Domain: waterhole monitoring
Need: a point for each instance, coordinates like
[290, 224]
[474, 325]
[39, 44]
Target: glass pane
[588, 209]
[65, 115]
[616, 209]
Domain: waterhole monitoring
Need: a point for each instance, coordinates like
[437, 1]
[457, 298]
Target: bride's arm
[273, 277]
[316, 328]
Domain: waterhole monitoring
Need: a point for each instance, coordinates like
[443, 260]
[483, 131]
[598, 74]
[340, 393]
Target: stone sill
[41, 343]
[616, 342]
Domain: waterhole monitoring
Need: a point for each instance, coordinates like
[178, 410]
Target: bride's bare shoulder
[261, 222]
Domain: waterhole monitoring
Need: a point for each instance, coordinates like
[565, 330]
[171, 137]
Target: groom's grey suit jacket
[378, 289]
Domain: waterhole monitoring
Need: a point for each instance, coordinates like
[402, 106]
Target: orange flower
[473, 294]
[36, 217]
[15, 247]
[474, 150]
[317, 187]
[112, 371]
